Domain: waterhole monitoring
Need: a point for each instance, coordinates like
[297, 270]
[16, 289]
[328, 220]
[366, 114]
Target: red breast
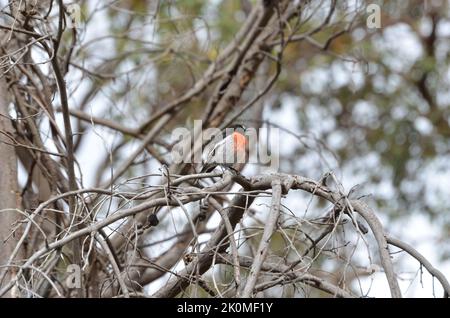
[239, 142]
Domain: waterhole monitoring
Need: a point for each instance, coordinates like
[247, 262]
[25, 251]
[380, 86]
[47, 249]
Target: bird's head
[234, 128]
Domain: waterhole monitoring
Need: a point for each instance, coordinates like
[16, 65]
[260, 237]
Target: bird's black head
[236, 127]
[239, 127]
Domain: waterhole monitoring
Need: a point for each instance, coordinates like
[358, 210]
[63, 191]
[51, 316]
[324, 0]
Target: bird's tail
[208, 167]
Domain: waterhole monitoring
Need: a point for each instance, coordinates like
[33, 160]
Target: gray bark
[9, 198]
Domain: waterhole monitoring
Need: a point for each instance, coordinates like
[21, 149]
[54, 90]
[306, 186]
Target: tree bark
[9, 198]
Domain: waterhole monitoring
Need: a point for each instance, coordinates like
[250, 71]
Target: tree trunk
[9, 198]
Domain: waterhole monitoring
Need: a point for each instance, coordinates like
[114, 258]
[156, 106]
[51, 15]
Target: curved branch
[422, 260]
[377, 229]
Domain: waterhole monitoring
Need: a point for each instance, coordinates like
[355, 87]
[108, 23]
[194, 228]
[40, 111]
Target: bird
[231, 152]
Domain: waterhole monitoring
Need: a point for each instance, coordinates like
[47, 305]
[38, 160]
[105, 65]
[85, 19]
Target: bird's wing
[216, 152]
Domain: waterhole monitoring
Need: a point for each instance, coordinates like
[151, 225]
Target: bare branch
[265, 240]
[422, 260]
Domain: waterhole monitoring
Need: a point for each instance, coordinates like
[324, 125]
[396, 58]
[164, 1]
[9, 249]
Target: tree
[93, 203]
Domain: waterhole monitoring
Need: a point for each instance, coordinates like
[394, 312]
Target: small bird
[230, 152]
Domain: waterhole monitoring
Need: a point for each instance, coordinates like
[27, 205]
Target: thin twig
[114, 265]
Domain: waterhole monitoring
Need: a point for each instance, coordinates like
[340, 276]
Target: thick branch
[265, 240]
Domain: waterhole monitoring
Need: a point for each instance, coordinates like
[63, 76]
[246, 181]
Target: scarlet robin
[230, 152]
